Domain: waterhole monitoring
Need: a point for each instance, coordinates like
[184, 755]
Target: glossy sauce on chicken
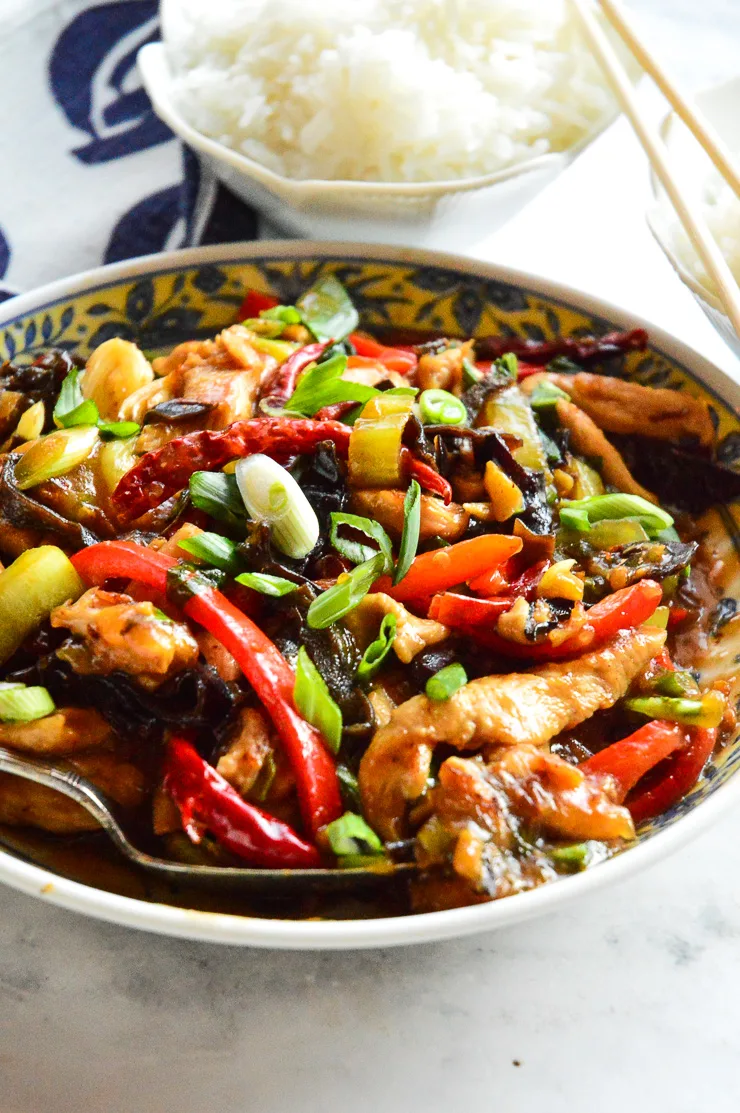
[297, 596]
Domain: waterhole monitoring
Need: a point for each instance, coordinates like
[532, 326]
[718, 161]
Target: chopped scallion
[218, 495]
[213, 549]
[348, 786]
[271, 495]
[581, 514]
[446, 682]
[546, 396]
[323, 385]
[19, 704]
[705, 712]
[439, 407]
[286, 314]
[355, 550]
[377, 651]
[71, 408]
[410, 533]
[117, 430]
[275, 586]
[314, 702]
[343, 597]
[351, 837]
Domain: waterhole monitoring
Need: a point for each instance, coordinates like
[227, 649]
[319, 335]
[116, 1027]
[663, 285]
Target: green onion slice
[72, 408]
[117, 430]
[355, 550]
[286, 314]
[271, 495]
[337, 601]
[265, 584]
[581, 514]
[377, 651]
[574, 857]
[508, 364]
[470, 374]
[350, 836]
[705, 712]
[446, 682]
[218, 495]
[327, 310]
[410, 534]
[19, 704]
[546, 396]
[213, 549]
[314, 702]
[439, 407]
[348, 786]
[323, 385]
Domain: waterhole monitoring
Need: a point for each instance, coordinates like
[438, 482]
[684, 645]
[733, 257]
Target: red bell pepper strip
[456, 610]
[159, 475]
[254, 303]
[625, 609]
[587, 350]
[286, 375]
[682, 771]
[395, 359]
[261, 662]
[207, 801]
[456, 564]
[425, 475]
[628, 760]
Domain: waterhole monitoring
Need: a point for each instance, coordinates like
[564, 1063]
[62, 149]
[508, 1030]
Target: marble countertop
[626, 1000]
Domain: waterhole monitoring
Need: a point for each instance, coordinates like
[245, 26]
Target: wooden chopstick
[694, 119]
[693, 222]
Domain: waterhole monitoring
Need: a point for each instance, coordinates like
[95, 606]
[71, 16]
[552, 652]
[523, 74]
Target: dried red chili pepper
[425, 475]
[586, 350]
[159, 475]
[207, 801]
[286, 375]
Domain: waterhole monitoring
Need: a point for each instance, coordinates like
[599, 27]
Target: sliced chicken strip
[386, 507]
[25, 804]
[69, 729]
[519, 708]
[412, 634]
[588, 440]
[115, 632]
[619, 406]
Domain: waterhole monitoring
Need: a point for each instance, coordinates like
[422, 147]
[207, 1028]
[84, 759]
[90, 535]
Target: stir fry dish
[297, 596]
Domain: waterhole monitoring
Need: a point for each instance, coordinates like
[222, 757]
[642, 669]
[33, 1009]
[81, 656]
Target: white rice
[720, 207]
[385, 90]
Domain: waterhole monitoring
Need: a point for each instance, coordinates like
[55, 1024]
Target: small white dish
[721, 106]
[423, 214]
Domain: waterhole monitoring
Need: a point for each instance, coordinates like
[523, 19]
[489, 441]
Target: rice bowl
[389, 91]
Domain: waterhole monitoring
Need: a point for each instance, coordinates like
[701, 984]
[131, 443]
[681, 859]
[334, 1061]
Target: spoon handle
[71, 784]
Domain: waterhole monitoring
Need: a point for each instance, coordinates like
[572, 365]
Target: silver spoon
[231, 878]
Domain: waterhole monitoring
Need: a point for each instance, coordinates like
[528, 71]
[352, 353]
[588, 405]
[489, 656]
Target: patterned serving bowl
[163, 299]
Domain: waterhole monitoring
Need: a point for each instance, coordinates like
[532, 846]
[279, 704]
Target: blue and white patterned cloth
[90, 174]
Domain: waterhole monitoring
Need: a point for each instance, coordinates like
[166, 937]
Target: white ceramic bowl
[163, 298]
[721, 105]
[426, 214]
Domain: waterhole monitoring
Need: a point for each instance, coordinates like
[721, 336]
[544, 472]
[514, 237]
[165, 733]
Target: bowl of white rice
[714, 198]
[424, 121]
